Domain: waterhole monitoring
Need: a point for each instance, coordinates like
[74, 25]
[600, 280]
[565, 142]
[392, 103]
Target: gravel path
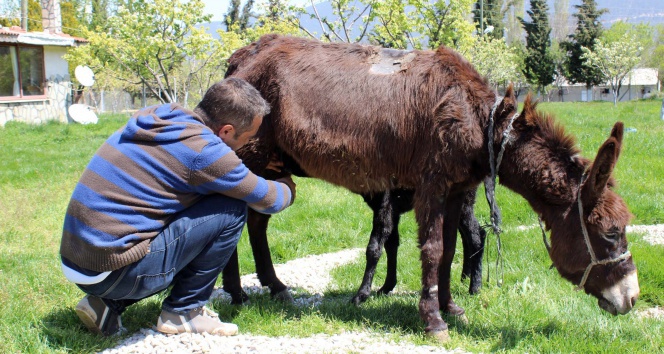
[654, 234]
[314, 280]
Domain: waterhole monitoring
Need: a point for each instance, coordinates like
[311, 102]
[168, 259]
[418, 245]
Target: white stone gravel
[311, 274]
[149, 341]
[313, 280]
[654, 234]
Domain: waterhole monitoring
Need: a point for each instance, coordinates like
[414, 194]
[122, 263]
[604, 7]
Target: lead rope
[490, 187]
[489, 192]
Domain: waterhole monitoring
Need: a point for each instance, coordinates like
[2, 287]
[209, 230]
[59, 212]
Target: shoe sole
[88, 320]
[223, 332]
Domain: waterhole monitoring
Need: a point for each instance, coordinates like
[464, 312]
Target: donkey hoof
[460, 319]
[356, 301]
[385, 290]
[454, 310]
[240, 299]
[284, 296]
[440, 336]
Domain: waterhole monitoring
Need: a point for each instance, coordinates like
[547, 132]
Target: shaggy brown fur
[425, 128]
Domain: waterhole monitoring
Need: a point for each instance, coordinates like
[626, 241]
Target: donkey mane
[556, 138]
[552, 132]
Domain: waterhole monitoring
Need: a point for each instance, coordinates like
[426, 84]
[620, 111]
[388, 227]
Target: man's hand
[275, 163]
[289, 182]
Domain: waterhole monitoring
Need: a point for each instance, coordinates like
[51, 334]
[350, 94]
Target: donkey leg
[430, 216]
[472, 236]
[257, 227]
[401, 201]
[391, 249]
[452, 213]
[382, 227]
[231, 281]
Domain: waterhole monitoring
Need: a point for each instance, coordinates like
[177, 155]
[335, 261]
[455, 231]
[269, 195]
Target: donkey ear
[617, 132]
[507, 105]
[530, 110]
[601, 169]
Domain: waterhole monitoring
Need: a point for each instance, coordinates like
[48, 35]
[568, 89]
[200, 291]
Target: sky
[217, 8]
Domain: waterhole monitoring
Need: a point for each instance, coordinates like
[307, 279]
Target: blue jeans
[188, 254]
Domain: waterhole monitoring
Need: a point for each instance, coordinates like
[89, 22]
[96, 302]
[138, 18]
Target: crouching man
[163, 203]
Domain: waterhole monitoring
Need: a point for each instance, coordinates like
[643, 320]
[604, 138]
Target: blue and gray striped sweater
[164, 160]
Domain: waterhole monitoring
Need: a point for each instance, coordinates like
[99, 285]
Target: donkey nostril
[633, 300]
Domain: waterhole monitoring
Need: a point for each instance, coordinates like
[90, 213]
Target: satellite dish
[83, 114]
[84, 75]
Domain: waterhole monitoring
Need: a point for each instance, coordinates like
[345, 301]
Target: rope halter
[593, 258]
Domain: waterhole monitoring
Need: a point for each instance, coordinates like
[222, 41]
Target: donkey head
[586, 217]
[595, 255]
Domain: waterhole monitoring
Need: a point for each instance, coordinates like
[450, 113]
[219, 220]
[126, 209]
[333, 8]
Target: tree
[489, 13]
[239, 20]
[70, 17]
[615, 59]
[559, 62]
[349, 21]
[513, 29]
[98, 18]
[397, 23]
[539, 69]
[444, 23]
[495, 60]
[150, 46]
[657, 58]
[560, 20]
[10, 13]
[35, 16]
[422, 24]
[588, 30]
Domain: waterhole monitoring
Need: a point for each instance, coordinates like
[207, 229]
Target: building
[639, 83]
[35, 86]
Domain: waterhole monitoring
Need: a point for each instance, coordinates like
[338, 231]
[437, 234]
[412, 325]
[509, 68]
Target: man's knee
[231, 213]
[221, 204]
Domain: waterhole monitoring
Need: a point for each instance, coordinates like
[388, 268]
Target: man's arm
[219, 170]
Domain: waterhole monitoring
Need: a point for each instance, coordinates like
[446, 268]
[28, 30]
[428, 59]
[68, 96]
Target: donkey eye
[611, 236]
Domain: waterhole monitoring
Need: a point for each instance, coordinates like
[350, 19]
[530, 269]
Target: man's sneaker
[98, 317]
[199, 320]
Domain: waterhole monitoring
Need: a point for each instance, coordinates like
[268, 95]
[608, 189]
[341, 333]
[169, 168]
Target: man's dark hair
[231, 101]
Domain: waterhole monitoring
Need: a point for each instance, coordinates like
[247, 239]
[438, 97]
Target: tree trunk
[662, 112]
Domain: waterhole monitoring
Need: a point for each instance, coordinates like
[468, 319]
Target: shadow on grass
[62, 329]
[396, 314]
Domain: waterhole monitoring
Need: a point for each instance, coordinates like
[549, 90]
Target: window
[21, 71]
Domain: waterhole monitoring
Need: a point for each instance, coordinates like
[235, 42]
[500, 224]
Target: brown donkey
[387, 208]
[371, 120]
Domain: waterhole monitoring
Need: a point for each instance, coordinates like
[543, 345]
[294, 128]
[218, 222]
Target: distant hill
[633, 11]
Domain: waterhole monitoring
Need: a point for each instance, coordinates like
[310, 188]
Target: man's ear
[226, 131]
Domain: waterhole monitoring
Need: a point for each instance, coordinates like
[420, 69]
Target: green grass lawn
[534, 310]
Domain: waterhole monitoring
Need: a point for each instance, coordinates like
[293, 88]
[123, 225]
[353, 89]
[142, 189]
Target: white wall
[54, 63]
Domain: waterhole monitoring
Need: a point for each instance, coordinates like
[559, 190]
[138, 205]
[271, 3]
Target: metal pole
[143, 101]
[24, 15]
[482, 18]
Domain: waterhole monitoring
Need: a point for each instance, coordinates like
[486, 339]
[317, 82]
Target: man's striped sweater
[164, 160]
